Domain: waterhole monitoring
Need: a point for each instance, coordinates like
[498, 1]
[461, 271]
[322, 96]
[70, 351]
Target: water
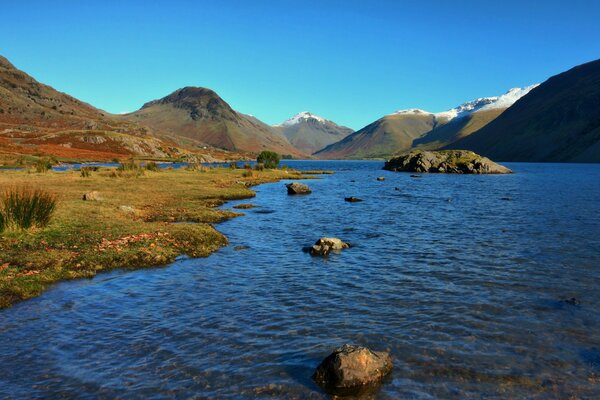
[461, 278]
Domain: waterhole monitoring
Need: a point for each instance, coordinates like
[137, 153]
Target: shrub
[248, 173]
[233, 165]
[259, 166]
[2, 221]
[269, 159]
[24, 208]
[192, 167]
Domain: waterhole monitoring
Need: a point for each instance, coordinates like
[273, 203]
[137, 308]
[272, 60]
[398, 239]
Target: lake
[467, 281]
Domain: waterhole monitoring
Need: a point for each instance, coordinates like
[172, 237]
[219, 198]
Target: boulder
[445, 161]
[352, 199]
[92, 196]
[324, 246]
[297, 188]
[352, 370]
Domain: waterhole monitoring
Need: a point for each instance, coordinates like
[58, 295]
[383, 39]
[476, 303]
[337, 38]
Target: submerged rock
[351, 370]
[324, 246]
[445, 161]
[352, 199]
[297, 188]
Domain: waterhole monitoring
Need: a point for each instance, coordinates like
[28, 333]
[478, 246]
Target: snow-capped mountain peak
[300, 117]
[482, 103]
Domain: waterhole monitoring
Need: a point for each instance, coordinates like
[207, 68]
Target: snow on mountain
[303, 116]
[483, 103]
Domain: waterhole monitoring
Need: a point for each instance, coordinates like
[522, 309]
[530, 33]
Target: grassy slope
[86, 237]
[382, 138]
[456, 130]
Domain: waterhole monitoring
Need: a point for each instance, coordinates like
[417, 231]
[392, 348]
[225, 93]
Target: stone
[92, 196]
[381, 178]
[444, 161]
[352, 199]
[352, 370]
[324, 246]
[297, 188]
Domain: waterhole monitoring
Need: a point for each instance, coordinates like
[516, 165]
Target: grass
[133, 226]
[25, 208]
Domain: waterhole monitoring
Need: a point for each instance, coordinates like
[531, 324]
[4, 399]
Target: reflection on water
[468, 290]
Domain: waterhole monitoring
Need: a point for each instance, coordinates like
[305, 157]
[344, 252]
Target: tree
[269, 159]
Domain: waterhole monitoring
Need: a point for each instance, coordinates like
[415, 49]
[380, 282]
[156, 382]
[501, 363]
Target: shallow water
[462, 278]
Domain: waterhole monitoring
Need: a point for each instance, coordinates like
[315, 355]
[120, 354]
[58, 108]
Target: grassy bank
[133, 224]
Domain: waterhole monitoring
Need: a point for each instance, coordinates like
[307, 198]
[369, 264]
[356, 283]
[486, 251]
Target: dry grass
[132, 226]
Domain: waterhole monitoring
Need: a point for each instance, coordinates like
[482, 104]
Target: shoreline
[140, 221]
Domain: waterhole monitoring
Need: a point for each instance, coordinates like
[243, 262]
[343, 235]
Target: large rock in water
[297, 188]
[324, 246]
[445, 161]
[351, 370]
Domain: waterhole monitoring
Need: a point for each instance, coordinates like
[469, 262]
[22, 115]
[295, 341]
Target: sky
[348, 61]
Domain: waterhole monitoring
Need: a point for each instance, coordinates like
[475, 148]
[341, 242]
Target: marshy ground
[141, 219]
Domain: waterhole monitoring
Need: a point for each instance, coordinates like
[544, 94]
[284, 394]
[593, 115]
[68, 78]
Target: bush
[2, 221]
[259, 166]
[269, 159]
[24, 208]
[248, 173]
[233, 165]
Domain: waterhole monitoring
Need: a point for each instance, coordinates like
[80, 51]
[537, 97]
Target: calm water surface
[462, 278]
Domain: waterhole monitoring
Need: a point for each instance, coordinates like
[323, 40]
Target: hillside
[310, 133]
[200, 115]
[419, 129]
[36, 119]
[558, 121]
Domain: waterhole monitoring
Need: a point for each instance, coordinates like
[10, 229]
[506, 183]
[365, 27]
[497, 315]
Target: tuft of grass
[25, 208]
[86, 172]
[42, 165]
[151, 166]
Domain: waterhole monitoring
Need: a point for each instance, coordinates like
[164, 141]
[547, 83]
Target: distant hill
[557, 121]
[199, 114]
[419, 129]
[36, 119]
[382, 138]
[310, 133]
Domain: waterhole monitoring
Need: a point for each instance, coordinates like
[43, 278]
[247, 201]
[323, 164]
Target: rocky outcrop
[324, 246]
[447, 161]
[352, 370]
[297, 188]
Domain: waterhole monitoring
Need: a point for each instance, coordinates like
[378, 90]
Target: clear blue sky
[349, 61]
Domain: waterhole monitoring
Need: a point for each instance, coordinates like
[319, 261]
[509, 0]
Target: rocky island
[445, 161]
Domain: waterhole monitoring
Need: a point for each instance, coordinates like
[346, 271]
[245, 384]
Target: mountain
[36, 119]
[419, 129]
[310, 133]
[383, 137]
[558, 121]
[200, 115]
